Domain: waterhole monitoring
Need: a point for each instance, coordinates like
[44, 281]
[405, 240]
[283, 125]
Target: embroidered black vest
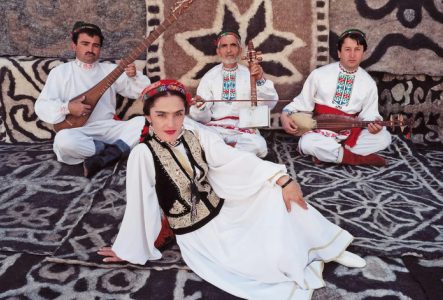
[173, 185]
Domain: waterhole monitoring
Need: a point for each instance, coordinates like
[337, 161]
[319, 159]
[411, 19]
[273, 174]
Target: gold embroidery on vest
[181, 211]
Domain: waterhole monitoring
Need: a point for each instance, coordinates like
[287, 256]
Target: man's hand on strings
[109, 255]
[288, 124]
[257, 71]
[130, 70]
[198, 102]
[78, 108]
[374, 127]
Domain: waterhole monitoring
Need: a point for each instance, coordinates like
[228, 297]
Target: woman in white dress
[241, 222]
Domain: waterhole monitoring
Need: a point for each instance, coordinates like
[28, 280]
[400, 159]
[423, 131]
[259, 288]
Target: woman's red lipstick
[170, 132]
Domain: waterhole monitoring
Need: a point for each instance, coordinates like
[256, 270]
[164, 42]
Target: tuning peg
[392, 122]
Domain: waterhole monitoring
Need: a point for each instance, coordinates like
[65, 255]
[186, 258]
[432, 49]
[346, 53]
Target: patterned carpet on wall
[418, 97]
[404, 37]
[398, 224]
[21, 81]
[292, 44]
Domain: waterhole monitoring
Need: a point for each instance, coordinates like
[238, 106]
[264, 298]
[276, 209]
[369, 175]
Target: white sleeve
[51, 107]
[233, 173]
[131, 87]
[369, 110]
[305, 100]
[142, 220]
[267, 91]
[204, 114]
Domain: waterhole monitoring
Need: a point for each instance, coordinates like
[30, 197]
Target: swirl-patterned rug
[393, 212]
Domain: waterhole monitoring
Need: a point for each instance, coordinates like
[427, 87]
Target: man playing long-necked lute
[102, 140]
[345, 89]
[230, 81]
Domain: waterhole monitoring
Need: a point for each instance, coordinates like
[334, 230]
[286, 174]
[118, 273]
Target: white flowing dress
[253, 248]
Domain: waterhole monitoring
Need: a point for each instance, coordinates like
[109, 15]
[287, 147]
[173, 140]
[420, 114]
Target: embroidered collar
[346, 71]
[231, 69]
[83, 65]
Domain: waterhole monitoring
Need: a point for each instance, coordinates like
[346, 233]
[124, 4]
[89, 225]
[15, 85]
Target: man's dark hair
[88, 28]
[355, 34]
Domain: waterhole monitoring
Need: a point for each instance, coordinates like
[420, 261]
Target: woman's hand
[292, 193]
[109, 254]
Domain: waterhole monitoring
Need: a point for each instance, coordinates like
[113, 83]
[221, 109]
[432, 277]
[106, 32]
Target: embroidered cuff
[64, 109]
[260, 82]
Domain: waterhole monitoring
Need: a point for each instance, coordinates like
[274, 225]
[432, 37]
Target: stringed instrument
[93, 95]
[305, 122]
[256, 116]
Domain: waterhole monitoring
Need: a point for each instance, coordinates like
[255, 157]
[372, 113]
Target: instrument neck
[103, 85]
[253, 91]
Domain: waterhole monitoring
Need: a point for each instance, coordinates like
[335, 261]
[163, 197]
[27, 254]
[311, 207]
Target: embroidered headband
[80, 25]
[353, 30]
[225, 33]
[166, 85]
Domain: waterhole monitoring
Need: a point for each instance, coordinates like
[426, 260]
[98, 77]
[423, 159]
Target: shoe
[350, 260]
[353, 159]
[111, 154]
[92, 165]
[316, 161]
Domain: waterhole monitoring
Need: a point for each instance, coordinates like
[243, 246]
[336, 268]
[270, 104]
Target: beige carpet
[42, 28]
[291, 34]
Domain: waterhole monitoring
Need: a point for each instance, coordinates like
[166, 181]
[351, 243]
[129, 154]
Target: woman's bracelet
[286, 183]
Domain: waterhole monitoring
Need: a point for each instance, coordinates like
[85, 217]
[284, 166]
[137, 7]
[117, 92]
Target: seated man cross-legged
[341, 88]
[102, 140]
[231, 81]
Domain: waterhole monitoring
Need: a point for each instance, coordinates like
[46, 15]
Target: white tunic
[69, 80]
[321, 86]
[254, 248]
[215, 114]
[360, 97]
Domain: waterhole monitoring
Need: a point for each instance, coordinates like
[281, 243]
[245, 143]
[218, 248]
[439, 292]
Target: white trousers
[249, 142]
[73, 146]
[328, 149]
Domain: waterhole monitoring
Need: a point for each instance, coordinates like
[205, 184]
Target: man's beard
[229, 61]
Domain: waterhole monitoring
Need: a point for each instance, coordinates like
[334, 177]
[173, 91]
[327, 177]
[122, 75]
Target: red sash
[320, 109]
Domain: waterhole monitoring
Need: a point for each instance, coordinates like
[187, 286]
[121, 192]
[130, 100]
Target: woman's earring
[151, 130]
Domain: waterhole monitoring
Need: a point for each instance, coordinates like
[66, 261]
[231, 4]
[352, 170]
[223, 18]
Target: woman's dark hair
[355, 34]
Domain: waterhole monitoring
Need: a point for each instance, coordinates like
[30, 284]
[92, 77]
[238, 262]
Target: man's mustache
[90, 53]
